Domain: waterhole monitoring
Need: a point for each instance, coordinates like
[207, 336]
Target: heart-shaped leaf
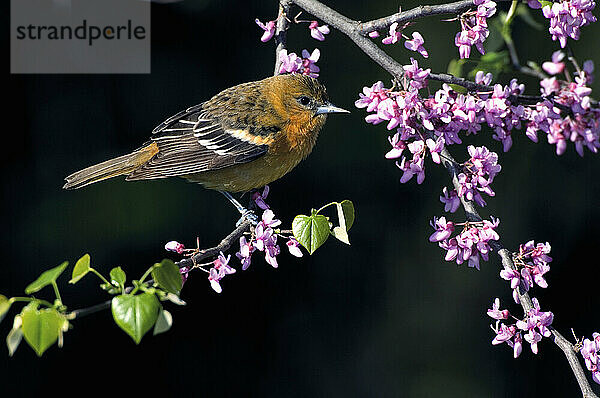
[347, 209]
[46, 278]
[41, 328]
[135, 314]
[14, 337]
[163, 323]
[118, 277]
[82, 267]
[168, 277]
[341, 234]
[311, 232]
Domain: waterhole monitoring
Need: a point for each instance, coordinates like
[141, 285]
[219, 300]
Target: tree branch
[524, 299]
[223, 246]
[280, 36]
[416, 13]
[356, 31]
[351, 29]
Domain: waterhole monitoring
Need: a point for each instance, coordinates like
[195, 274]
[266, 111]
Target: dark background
[383, 317]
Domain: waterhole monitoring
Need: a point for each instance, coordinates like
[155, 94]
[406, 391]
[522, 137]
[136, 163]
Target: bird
[241, 139]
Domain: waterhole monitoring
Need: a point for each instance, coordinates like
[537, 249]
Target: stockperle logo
[80, 36]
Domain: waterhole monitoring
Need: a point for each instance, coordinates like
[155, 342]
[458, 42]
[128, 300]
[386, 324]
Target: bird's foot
[248, 215]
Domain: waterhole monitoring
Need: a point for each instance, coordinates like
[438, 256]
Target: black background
[383, 317]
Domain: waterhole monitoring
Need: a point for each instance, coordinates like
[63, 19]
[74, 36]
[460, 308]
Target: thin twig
[413, 14]
[223, 246]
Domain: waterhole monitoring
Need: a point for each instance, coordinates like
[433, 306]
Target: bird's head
[301, 99]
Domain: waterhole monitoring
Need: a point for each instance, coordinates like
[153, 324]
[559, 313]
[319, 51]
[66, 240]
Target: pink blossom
[450, 199]
[495, 311]
[394, 35]
[220, 269]
[443, 229]
[174, 246]
[555, 67]
[590, 351]
[259, 198]
[291, 63]
[269, 29]
[294, 247]
[416, 44]
[318, 32]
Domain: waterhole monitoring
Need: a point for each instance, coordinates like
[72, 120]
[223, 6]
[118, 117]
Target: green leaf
[4, 306]
[163, 323]
[341, 234]
[455, 67]
[175, 299]
[311, 232]
[118, 277]
[135, 314]
[46, 278]
[347, 208]
[13, 339]
[41, 328]
[494, 62]
[168, 277]
[82, 267]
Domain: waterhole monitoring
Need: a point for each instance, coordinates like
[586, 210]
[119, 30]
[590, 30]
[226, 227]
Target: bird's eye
[304, 100]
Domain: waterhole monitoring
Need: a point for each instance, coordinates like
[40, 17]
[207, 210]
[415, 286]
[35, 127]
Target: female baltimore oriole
[241, 139]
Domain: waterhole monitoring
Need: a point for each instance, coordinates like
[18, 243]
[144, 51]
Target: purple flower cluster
[535, 326]
[428, 124]
[292, 63]
[395, 34]
[264, 238]
[532, 262]
[579, 121]
[424, 125]
[474, 28]
[471, 243]
[478, 173]
[567, 18]
[316, 31]
[220, 270]
[450, 200]
[591, 354]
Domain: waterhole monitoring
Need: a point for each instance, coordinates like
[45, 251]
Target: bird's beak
[330, 108]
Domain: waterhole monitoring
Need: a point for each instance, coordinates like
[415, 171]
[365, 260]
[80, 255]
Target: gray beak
[330, 108]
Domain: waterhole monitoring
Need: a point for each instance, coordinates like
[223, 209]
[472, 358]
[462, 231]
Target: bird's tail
[111, 168]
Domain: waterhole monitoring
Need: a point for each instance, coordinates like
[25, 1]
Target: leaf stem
[99, 275]
[56, 292]
[141, 281]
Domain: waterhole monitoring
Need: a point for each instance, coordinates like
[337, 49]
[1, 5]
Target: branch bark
[280, 35]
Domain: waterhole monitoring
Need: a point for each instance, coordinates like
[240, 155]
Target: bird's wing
[193, 142]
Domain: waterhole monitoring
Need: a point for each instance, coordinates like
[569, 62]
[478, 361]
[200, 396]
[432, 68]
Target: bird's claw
[248, 215]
